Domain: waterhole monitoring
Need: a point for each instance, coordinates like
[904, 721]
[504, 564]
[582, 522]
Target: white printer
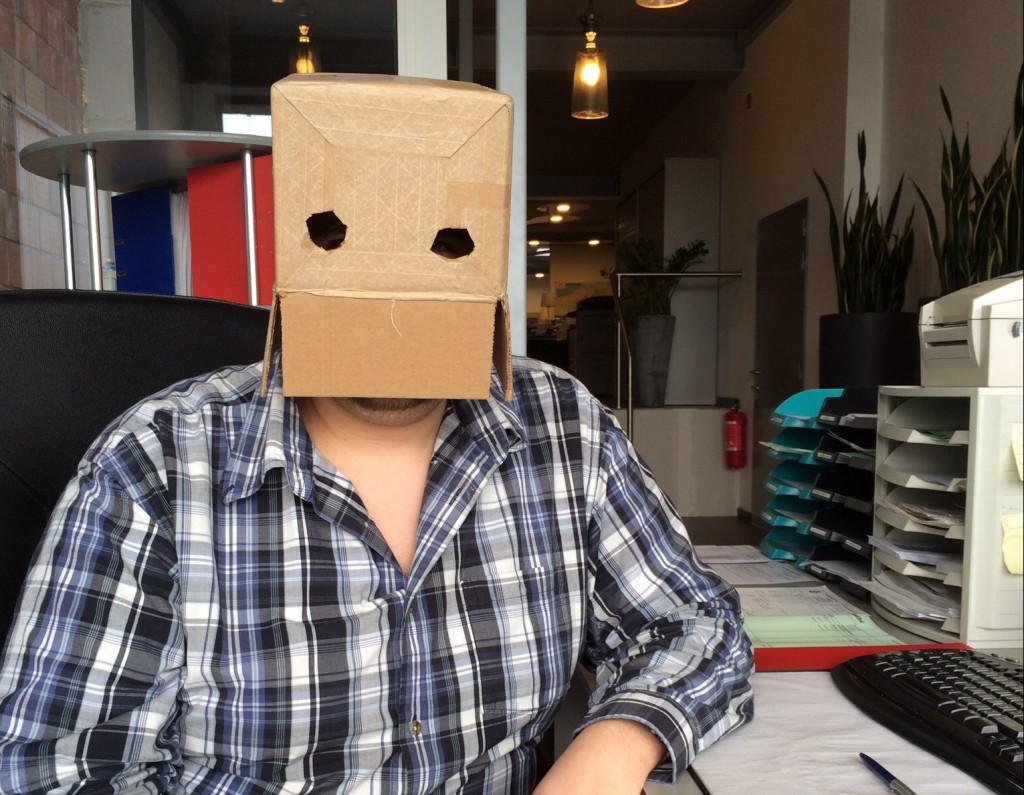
[973, 337]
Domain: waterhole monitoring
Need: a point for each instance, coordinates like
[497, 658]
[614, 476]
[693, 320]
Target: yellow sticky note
[1013, 543]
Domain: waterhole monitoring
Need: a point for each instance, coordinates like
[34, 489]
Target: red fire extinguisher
[735, 438]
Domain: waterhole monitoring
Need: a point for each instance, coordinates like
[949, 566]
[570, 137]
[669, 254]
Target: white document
[727, 553]
[836, 629]
[916, 597]
[771, 572]
[852, 570]
[817, 601]
[918, 547]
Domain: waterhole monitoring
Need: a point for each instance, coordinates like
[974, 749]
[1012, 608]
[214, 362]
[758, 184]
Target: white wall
[692, 200]
[973, 50]
[684, 449]
[792, 110]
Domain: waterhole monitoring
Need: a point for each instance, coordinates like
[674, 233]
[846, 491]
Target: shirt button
[415, 728]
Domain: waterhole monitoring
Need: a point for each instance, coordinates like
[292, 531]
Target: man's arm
[665, 633]
[88, 683]
[610, 757]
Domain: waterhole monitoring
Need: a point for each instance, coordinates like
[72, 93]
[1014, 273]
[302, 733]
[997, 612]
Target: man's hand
[610, 757]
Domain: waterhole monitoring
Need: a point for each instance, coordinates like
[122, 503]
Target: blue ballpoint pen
[895, 785]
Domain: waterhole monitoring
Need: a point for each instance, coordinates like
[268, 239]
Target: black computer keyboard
[964, 706]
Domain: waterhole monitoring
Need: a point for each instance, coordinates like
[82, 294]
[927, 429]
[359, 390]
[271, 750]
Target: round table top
[136, 159]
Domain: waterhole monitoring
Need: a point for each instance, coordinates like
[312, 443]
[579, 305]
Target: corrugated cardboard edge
[268, 346]
[501, 351]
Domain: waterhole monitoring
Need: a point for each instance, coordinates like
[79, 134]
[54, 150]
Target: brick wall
[40, 97]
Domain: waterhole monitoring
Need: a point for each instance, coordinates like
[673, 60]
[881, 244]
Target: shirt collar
[495, 423]
[273, 436]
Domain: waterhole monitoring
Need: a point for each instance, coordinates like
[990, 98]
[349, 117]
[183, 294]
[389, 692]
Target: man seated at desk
[281, 590]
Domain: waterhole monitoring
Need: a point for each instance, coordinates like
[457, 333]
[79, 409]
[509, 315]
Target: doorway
[779, 331]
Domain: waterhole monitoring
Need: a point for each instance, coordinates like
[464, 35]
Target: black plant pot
[869, 349]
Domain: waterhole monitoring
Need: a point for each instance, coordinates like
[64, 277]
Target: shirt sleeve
[665, 634]
[90, 674]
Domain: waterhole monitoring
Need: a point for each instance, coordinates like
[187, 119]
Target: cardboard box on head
[391, 208]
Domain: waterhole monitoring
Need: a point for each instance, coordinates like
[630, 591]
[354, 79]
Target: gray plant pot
[652, 350]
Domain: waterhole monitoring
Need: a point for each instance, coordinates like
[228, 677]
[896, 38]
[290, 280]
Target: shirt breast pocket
[521, 637]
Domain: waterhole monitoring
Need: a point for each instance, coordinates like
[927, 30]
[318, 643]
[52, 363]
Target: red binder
[216, 211]
[824, 658]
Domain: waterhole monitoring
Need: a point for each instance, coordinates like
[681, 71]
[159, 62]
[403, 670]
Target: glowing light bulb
[591, 72]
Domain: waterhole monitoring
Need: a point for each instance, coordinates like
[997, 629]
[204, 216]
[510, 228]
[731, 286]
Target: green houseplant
[871, 261]
[870, 341]
[646, 305]
[653, 296]
[982, 223]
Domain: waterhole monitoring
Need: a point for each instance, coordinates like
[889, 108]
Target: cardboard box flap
[357, 347]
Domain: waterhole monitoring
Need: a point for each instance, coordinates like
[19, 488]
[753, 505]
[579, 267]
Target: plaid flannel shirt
[212, 610]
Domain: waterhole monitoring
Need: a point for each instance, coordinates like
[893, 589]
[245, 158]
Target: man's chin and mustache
[389, 411]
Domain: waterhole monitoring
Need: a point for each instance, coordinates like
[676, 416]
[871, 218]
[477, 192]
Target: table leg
[67, 245]
[92, 198]
[248, 198]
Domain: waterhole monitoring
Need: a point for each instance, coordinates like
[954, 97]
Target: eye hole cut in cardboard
[453, 243]
[326, 230]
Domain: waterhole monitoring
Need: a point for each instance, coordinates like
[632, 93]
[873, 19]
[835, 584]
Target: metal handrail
[622, 336]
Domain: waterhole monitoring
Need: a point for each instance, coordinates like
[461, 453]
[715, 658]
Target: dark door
[779, 329]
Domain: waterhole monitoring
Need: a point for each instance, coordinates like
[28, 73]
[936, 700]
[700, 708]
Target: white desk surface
[805, 739]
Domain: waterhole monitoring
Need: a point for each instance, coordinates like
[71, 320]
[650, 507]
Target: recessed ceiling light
[594, 242]
[555, 219]
[563, 207]
[533, 242]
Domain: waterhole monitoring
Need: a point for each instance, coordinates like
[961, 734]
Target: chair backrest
[70, 362]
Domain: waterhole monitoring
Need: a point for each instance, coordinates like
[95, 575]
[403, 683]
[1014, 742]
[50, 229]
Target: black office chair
[72, 361]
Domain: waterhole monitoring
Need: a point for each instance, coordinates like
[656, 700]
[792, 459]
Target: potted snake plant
[870, 341]
[983, 226]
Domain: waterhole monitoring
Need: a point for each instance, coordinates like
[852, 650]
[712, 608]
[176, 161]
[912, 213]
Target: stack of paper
[933, 509]
[866, 450]
[919, 547]
[793, 444]
[915, 597]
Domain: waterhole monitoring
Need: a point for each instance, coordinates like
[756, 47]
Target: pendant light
[306, 57]
[660, 3]
[590, 81]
